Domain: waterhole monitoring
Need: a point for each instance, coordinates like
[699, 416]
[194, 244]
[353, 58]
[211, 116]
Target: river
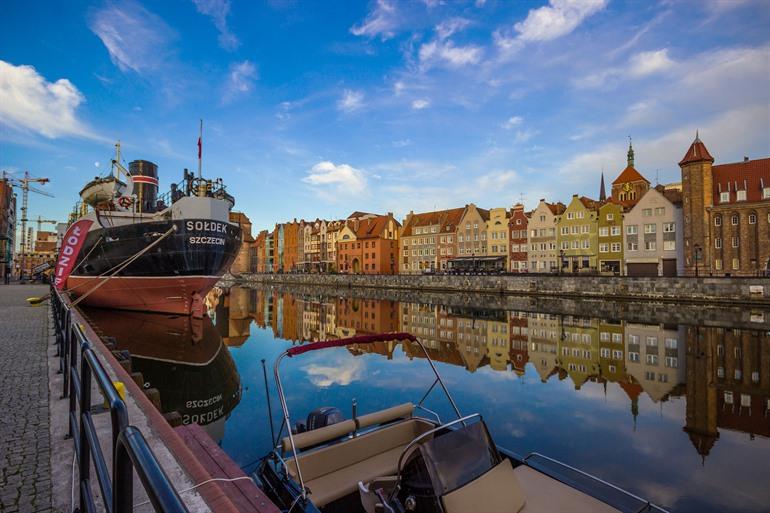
[678, 414]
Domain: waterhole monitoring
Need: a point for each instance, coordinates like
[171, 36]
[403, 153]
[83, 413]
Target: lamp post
[697, 258]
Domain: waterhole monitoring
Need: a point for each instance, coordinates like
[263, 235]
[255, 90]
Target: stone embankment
[729, 291]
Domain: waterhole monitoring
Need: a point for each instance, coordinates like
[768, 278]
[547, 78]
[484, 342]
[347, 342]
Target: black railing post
[85, 408]
[67, 339]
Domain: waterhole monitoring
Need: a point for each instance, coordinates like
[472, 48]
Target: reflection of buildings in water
[184, 358]
[232, 315]
[728, 384]
[365, 316]
[612, 365]
[544, 332]
[519, 341]
[578, 349]
[656, 358]
[498, 344]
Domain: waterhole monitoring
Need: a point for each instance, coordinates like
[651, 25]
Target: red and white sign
[70, 248]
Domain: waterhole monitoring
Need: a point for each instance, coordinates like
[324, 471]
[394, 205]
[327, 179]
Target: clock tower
[629, 187]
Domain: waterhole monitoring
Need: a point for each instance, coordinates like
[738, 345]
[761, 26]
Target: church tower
[698, 197]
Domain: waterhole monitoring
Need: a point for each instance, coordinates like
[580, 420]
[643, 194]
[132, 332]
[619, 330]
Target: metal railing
[130, 450]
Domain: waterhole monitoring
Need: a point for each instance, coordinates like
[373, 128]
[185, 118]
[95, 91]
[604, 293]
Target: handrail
[130, 451]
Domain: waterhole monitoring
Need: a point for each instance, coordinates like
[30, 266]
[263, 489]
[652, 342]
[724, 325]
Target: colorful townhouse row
[716, 221]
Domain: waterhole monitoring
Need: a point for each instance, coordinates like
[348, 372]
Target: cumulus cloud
[420, 104]
[218, 10]
[135, 38]
[343, 177]
[512, 122]
[646, 63]
[342, 372]
[351, 100]
[381, 21]
[240, 80]
[557, 19]
[28, 102]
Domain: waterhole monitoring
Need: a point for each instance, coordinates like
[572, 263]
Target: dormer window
[740, 195]
[724, 197]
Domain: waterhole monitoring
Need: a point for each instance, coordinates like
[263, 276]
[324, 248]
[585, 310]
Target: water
[675, 413]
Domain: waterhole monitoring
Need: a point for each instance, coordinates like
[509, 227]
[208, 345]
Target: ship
[130, 248]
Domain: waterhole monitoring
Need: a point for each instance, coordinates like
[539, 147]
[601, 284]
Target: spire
[697, 137]
[602, 191]
[630, 153]
[697, 152]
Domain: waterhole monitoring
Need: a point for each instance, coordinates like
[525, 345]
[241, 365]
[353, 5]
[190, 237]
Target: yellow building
[497, 234]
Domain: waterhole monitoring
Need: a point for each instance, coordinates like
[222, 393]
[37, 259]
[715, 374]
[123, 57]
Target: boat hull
[179, 270]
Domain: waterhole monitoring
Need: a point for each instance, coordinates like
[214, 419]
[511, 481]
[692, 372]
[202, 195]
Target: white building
[653, 237]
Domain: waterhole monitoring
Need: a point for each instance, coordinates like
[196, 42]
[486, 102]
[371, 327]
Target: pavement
[25, 446]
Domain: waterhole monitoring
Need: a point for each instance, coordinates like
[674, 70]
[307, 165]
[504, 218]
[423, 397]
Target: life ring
[125, 201]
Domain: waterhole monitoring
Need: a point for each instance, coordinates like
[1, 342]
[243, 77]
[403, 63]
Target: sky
[320, 109]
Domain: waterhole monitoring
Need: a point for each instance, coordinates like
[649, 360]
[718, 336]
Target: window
[728, 395]
[766, 193]
[615, 230]
[671, 343]
[617, 337]
[652, 341]
[718, 264]
[738, 374]
[564, 230]
[610, 217]
[459, 238]
[633, 357]
[736, 241]
[564, 245]
[669, 245]
[735, 219]
[724, 197]
[586, 244]
[575, 244]
[720, 372]
[717, 220]
[740, 195]
[604, 231]
[647, 212]
[672, 362]
[650, 245]
[475, 226]
[604, 336]
[581, 215]
[585, 228]
[649, 228]
[604, 248]
[669, 227]
[632, 229]
[718, 243]
[633, 246]
[752, 219]
[570, 215]
[616, 247]
[652, 359]
[736, 264]
[575, 229]
[659, 211]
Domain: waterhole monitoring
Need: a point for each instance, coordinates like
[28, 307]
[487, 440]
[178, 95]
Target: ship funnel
[145, 177]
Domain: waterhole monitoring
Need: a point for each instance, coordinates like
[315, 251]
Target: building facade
[542, 241]
[517, 240]
[7, 228]
[368, 246]
[610, 238]
[629, 187]
[726, 214]
[497, 234]
[577, 236]
[653, 236]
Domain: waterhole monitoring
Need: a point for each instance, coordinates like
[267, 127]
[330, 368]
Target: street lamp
[697, 258]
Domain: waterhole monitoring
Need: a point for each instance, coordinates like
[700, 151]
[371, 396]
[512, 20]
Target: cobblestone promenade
[25, 452]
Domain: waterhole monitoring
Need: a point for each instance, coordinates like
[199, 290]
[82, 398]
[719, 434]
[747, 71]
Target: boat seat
[333, 472]
[544, 494]
[495, 491]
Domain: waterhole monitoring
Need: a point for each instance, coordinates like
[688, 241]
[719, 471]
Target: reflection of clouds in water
[342, 372]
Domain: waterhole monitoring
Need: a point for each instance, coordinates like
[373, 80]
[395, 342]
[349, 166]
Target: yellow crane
[23, 184]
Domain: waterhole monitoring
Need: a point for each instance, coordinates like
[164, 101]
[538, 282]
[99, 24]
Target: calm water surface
[677, 414]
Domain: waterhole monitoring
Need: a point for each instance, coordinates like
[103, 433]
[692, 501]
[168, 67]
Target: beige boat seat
[334, 471]
[495, 491]
[544, 494]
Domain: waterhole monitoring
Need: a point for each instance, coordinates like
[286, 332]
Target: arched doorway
[356, 266]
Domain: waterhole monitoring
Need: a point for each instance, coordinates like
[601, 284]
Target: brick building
[726, 214]
[630, 185]
[517, 239]
[242, 262]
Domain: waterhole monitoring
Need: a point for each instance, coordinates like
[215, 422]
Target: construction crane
[23, 184]
[40, 222]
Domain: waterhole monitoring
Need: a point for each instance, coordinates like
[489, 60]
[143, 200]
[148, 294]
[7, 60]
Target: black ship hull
[170, 277]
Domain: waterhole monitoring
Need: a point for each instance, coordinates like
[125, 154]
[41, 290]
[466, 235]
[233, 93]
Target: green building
[577, 230]
[610, 238]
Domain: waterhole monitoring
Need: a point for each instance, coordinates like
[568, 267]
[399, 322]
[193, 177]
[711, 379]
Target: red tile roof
[556, 208]
[589, 203]
[372, 227]
[696, 153]
[750, 175]
[629, 174]
[443, 218]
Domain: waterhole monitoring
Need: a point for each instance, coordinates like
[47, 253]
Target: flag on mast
[200, 149]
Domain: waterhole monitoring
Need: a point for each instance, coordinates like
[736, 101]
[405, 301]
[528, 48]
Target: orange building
[261, 251]
[368, 246]
[291, 246]
[242, 263]
[360, 316]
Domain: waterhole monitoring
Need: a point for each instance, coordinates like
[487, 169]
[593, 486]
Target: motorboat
[406, 458]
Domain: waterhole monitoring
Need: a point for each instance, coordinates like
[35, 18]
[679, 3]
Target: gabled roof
[443, 218]
[358, 215]
[372, 227]
[556, 208]
[751, 175]
[696, 153]
[589, 203]
[629, 174]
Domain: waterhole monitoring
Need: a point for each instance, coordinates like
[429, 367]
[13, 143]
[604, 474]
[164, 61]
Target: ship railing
[130, 451]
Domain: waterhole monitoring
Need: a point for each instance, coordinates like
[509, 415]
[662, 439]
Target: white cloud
[646, 63]
[28, 102]
[512, 122]
[135, 38]
[398, 87]
[401, 143]
[436, 52]
[381, 21]
[446, 28]
[339, 373]
[218, 10]
[420, 104]
[344, 178]
[557, 19]
[351, 100]
[240, 80]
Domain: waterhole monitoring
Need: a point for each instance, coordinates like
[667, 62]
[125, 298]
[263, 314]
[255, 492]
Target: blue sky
[318, 109]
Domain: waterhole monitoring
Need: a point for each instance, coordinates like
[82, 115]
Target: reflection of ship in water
[723, 374]
[184, 358]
